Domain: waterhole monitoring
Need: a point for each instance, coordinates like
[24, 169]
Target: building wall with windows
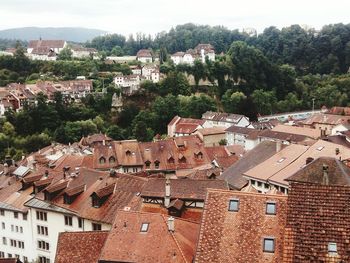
[54, 223]
[16, 235]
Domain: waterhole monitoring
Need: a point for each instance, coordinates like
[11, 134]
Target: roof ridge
[173, 236]
[245, 193]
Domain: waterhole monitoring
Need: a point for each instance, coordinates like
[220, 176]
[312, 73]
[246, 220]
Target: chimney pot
[278, 146]
[171, 224]
[167, 193]
[325, 174]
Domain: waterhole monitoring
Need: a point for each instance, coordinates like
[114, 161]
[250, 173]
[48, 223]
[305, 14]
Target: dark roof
[80, 247]
[316, 216]
[227, 236]
[234, 174]
[338, 173]
[182, 188]
[283, 136]
[250, 133]
[126, 243]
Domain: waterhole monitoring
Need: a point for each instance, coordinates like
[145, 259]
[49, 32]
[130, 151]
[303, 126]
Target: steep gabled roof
[317, 215]
[80, 247]
[182, 188]
[237, 236]
[126, 243]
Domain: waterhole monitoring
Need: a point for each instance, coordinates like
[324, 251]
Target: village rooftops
[241, 227]
[329, 119]
[248, 132]
[323, 170]
[46, 43]
[181, 188]
[292, 158]
[144, 53]
[222, 117]
[305, 131]
[284, 136]
[318, 224]
[150, 237]
[339, 111]
[234, 174]
[80, 247]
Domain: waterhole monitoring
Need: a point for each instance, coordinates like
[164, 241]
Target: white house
[83, 52]
[144, 56]
[151, 72]
[177, 58]
[246, 137]
[223, 119]
[200, 52]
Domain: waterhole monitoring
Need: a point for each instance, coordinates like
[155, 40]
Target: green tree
[65, 54]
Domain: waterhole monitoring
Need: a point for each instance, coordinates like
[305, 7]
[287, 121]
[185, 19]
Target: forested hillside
[310, 51]
[277, 71]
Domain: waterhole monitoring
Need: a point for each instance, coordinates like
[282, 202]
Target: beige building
[211, 136]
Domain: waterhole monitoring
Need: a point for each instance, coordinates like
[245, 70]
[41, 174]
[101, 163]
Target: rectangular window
[3, 225]
[43, 245]
[41, 216]
[2, 212]
[15, 214]
[2, 254]
[144, 227]
[17, 229]
[21, 229]
[21, 244]
[43, 259]
[233, 205]
[269, 245]
[9, 255]
[80, 223]
[42, 230]
[25, 216]
[68, 220]
[96, 227]
[12, 228]
[4, 240]
[270, 208]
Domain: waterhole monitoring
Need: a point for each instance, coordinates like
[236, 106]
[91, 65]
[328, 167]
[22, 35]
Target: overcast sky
[152, 16]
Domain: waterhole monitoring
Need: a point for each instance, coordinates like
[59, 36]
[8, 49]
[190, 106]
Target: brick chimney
[325, 174]
[167, 193]
[278, 146]
[171, 224]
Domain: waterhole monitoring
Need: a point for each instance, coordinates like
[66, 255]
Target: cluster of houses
[130, 84]
[200, 52]
[186, 198]
[14, 96]
[49, 49]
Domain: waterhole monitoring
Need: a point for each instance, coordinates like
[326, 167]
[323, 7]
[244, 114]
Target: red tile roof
[317, 215]
[181, 188]
[126, 243]
[227, 236]
[46, 43]
[80, 247]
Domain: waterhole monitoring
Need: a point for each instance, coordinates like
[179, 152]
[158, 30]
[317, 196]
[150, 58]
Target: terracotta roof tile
[182, 188]
[237, 236]
[126, 243]
[317, 215]
[80, 247]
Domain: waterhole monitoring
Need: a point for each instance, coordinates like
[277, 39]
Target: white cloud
[152, 16]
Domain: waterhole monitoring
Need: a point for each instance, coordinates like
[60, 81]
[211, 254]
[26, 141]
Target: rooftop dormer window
[156, 164]
[128, 153]
[144, 227]
[102, 160]
[111, 159]
[148, 164]
[281, 160]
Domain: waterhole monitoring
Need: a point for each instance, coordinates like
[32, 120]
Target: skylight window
[281, 160]
[320, 148]
[144, 227]
[233, 205]
[332, 247]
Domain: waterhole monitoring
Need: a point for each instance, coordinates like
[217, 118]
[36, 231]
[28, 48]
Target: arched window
[156, 164]
[102, 160]
[111, 159]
